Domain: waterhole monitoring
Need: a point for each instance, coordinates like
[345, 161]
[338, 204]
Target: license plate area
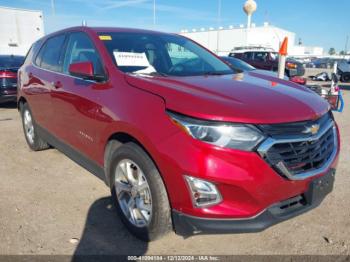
[320, 187]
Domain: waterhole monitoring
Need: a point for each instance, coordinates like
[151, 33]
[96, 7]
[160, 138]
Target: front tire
[138, 192]
[34, 141]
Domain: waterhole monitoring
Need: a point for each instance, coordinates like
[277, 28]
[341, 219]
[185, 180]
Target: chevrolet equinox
[184, 142]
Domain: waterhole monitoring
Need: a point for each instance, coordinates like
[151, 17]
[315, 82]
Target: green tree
[331, 51]
[342, 52]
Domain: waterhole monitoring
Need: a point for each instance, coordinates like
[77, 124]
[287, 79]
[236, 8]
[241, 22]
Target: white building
[223, 40]
[307, 51]
[19, 29]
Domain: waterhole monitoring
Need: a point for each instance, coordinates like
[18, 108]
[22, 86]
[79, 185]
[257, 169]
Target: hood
[245, 98]
[258, 72]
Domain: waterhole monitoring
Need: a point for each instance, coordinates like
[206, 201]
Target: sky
[324, 23]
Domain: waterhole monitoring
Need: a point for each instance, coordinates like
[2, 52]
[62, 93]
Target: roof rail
[240, 48]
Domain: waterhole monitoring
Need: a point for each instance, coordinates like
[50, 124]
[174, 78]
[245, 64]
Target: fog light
[203, 193]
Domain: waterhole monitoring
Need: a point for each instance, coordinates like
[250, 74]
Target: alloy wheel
[28, 126]
[133, 193]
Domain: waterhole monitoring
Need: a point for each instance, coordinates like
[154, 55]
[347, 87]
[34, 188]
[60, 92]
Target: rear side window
[261, 56]
[49, 55]
[81, 49]
[248, 55]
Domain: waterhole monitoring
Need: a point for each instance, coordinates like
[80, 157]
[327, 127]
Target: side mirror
[84, 70]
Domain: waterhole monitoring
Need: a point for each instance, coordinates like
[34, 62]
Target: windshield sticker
[105, 37]
[131, 59]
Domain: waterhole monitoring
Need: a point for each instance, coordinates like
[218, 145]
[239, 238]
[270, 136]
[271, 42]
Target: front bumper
[187, 225]
[299, 71]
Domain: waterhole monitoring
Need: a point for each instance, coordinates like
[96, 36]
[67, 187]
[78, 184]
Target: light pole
[53, 8]
[218, 29]
[346, 45]
[154, 14]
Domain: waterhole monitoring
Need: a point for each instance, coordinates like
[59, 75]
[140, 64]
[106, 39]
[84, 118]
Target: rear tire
[138, 192]
[34, 141]
[345, 78]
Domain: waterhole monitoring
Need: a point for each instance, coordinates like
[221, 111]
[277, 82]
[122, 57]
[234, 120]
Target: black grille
[300, 157]
[306, 155]
[297, 128]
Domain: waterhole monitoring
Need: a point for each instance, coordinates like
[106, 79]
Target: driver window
[81, 49]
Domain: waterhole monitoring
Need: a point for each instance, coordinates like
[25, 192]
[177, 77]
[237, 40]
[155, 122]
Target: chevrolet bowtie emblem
[312, 129]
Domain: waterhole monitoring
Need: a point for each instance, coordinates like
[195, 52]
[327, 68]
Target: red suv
[267, 59]
[182, 141]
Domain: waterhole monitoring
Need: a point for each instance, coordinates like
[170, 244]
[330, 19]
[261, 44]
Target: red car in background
[182, 140]
[267, 59]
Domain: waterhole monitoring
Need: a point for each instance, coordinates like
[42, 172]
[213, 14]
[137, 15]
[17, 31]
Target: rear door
[77, 100]
[41, 79]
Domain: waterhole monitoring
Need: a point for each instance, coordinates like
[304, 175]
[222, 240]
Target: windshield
[161, 54]
[7, 62]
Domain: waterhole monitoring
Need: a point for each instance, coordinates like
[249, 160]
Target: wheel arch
[21, 101]
[116, 140]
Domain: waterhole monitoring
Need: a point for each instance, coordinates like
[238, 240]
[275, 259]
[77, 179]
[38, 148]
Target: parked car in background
[325, 62]
[267, 59]
[344, 71]
[9, 65]
[181, 141]
[240, 66]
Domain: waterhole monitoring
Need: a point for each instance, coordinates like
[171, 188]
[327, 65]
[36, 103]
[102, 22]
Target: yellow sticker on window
[105, 37]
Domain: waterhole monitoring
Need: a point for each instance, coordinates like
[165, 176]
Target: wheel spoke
[131, 207]
[130, 173]
[122, 187]
[142, 206]
[123, 169]
[143, 186]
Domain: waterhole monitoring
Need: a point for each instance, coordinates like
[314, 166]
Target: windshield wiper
[213, 73]
[150, 74]
[158, 74]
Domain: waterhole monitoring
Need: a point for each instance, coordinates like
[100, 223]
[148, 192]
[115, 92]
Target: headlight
[235, 136]
[291, 65]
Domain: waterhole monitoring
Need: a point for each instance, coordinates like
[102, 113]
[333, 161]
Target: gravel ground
[50, 205]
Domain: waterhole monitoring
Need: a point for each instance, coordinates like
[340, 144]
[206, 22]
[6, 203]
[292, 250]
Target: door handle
[57, 84]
